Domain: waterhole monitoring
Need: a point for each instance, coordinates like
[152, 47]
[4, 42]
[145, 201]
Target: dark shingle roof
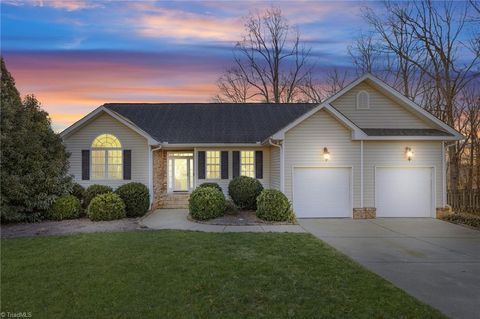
[404, 132]
[210, 122]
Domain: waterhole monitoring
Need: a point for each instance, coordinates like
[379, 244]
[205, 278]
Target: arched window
[106, 157]
[363, 100]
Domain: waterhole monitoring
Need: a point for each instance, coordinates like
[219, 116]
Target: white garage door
[403, 192]
[322, 192]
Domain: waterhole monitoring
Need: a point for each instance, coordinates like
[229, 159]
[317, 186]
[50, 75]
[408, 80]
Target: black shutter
[259, 164]
[224, 164]
[236, 163]
[201, 165]
[127, 164]
[85, 164]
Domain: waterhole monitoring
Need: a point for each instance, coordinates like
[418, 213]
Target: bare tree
[270, 62]
[429, 59]
[317, 91]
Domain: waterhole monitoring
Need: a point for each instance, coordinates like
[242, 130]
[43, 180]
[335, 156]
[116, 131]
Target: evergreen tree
[34, 162]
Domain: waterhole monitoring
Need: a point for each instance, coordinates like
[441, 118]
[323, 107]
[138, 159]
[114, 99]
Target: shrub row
[464, 218]
[102, 203]
[207, 200]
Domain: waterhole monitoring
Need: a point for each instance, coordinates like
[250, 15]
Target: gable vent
[363, 100]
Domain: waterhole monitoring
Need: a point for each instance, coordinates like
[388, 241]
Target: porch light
[409, 153]
[326, 154]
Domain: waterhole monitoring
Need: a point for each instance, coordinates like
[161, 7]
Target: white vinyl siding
[392, 154]
[275, 167]
[105, 124]
[224, 182]
[382, 113]
[304, 148]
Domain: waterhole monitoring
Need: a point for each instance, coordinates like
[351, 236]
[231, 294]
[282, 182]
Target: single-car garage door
[403, 192]
[322, 192]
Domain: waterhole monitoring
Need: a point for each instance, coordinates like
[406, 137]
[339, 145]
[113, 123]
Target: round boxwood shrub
[78, 191]
[244, 191]
[65, 207]
[273, 205]
[106, 206]
[92, 191]
[136, 198]
[215, 185]
[206, 203]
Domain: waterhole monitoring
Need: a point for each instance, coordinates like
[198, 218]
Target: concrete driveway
[435, 261]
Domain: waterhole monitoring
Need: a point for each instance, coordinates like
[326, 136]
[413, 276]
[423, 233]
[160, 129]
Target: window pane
[114, 164]
[247, 163]
[98, 164]
[213, 164]
[106, 141]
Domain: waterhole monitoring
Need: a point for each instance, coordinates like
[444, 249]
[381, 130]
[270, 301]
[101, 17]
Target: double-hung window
[247, 163]
[213, 164]
[106, 157]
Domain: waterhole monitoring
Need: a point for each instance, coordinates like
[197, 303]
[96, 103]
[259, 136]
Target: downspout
[361, 174]
[280, 146]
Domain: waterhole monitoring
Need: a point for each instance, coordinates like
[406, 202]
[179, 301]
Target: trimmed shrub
[464, 218]
[136, 198]
[230, 207]
[106, 206]
[273, 205]
[206, 203]
[78, 191]
[92, 191]
[65, 207]
[244, 191]
[215, 185]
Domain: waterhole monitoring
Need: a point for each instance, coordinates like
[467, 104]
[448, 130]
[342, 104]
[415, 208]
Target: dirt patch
[242, 218]
[67, 227]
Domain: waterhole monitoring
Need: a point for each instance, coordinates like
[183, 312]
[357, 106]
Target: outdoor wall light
[326, 154]
[409, 153]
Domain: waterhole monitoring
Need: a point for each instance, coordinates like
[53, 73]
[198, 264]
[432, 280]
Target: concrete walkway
[435, 261]
[177, 219]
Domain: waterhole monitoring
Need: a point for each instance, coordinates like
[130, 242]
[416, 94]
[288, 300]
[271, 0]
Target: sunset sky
[75, 55]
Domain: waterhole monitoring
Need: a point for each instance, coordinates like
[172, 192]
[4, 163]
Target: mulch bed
[242, 218]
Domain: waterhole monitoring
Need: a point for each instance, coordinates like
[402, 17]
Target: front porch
[173, 178]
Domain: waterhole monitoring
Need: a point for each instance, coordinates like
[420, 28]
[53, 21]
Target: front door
[180, 171]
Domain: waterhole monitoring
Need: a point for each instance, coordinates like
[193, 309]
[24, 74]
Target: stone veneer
[159, 178]
[443, 211]
[364, 213]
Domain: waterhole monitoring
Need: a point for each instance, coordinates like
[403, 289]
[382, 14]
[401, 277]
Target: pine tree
[34, 161]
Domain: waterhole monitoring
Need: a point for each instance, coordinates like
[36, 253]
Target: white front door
[322, 192]
[180, 171]
[404, 191]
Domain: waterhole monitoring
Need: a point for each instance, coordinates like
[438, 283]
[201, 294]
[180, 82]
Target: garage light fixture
[326, 154]
[409, 153]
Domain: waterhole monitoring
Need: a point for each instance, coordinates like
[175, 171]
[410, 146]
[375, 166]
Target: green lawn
[175, 274]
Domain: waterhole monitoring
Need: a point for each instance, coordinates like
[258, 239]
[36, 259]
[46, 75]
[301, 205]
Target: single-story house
[367, 150]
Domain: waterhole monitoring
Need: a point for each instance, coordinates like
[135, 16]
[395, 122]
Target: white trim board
[92, 115]
[357, 133]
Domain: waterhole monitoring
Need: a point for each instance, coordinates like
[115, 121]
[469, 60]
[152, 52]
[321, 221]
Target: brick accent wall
[364, 213]
[159, 178]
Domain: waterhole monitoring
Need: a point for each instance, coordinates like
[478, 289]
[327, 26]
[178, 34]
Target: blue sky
[78, 54]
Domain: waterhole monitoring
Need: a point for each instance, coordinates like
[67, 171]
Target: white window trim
[219, 165]
[106, 149]
[368, 100]
[254, 163]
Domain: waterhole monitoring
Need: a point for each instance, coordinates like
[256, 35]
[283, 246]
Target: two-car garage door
[322, 192]
[327, 192]
[403, 191]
